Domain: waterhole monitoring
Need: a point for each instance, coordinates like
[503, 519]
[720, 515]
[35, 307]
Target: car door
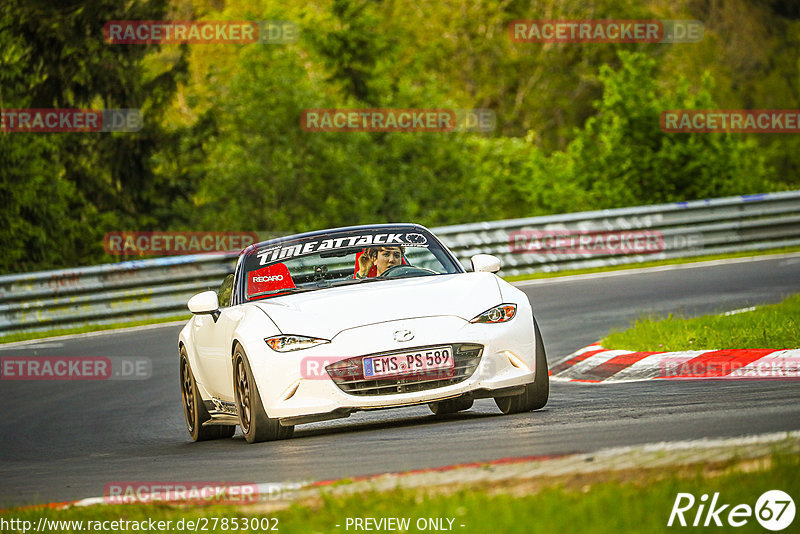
[212, 339]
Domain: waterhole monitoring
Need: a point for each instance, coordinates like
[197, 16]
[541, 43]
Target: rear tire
[537, 392]
[194, 410]
[449, 406]
[256, 425]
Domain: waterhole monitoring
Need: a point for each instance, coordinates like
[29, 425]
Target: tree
[622, 157]
[63, 191]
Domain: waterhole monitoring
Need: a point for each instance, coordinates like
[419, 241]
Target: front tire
[256, 425]
[194, 410]
[537, 392]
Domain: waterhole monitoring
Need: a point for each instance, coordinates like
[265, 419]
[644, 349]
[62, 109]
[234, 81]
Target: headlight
[498, 314]
[288, 343]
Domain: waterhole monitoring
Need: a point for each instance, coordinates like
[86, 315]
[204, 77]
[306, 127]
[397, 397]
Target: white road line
[35, 346]
[93, 334]
[740, 310]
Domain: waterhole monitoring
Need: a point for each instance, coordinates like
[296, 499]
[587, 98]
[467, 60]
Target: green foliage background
[222, 148]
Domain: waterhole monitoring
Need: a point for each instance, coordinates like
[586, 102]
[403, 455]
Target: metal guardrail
[695, 228]
[148, 289]
[110, 293]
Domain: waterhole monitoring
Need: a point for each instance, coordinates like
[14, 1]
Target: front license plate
[409, 363]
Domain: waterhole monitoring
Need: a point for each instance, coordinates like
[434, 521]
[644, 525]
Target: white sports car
[319, 325]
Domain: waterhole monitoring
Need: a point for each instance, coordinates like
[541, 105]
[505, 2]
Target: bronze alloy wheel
[187, 392]
[194, 410]
[243, 394]
[256, 424]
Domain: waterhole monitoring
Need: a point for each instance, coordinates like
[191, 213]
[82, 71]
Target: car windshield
[321, 261]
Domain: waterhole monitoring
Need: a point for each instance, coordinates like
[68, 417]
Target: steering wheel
[402, 270]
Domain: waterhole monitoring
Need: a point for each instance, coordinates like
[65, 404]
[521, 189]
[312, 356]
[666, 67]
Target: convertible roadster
[319, 325]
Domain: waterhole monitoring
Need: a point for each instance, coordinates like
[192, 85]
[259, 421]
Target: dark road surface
[66, 440]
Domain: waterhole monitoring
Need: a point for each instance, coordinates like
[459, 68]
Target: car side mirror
[485, 263]
[205, 303]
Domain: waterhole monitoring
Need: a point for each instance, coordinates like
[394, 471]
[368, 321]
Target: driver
[382, 258]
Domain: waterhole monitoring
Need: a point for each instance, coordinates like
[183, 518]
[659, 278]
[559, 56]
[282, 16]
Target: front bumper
[293, 394]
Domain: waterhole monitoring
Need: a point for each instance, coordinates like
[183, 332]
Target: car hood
[325, 313]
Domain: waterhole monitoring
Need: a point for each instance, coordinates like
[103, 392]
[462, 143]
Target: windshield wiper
[282, 291]
[352, 281]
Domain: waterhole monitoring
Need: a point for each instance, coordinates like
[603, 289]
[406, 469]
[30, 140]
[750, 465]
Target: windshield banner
[279, 251]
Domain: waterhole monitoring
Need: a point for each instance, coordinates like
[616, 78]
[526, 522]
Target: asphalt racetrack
[66, 440]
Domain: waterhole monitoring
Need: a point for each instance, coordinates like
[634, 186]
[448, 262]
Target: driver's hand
[365, 263]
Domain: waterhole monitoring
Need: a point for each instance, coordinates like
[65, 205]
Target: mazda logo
[403, 335]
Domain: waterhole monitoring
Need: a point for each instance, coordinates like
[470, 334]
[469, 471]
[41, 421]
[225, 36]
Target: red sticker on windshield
[268, 278]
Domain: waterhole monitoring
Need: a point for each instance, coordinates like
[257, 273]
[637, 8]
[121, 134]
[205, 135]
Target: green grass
[774, 326]
[674, 261]
[633, 501]
[24, 336]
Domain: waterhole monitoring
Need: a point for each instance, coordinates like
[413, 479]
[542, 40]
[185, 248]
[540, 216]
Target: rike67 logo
[774, 510]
